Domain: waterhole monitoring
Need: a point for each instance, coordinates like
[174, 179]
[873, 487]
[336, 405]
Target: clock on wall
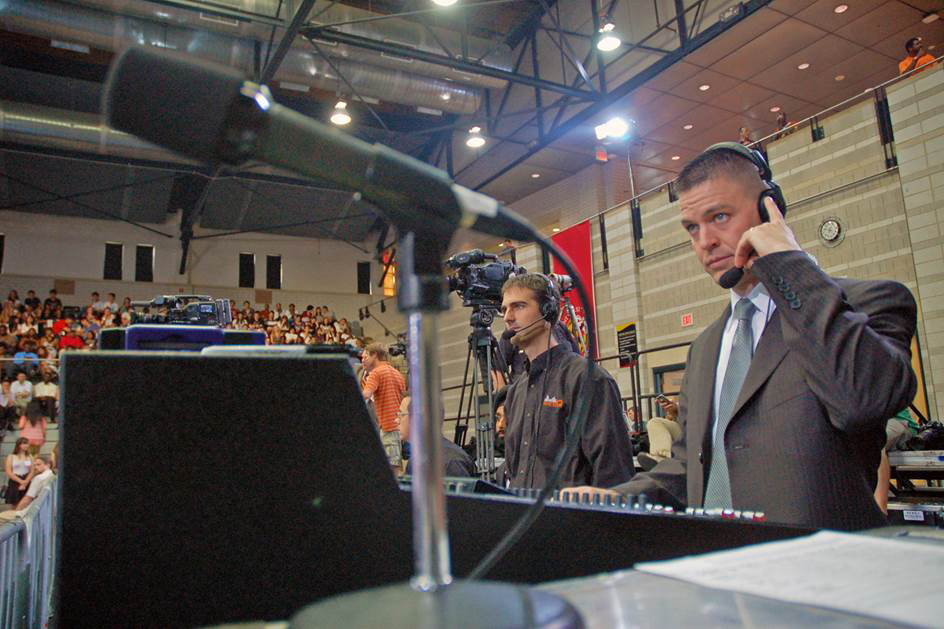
[831, 231]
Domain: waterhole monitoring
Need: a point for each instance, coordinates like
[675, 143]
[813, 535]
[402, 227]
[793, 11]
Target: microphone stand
[432, 598]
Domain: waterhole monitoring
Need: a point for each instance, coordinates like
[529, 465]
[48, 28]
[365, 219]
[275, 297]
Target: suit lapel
[770, 352]
[701, 399]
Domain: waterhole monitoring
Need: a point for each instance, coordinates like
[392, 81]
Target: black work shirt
[455, 461]
[538, 418]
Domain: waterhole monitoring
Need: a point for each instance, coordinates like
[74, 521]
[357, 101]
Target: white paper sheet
[885, 578]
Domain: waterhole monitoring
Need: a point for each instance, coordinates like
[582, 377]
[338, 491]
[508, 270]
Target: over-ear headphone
[755, 157]
[550, 301]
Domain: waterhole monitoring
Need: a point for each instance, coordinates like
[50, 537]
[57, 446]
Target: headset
[550, 301]
[732, 276]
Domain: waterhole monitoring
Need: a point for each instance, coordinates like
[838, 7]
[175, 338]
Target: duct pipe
[70, 23]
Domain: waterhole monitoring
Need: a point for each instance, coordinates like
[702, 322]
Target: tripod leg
[462, 422]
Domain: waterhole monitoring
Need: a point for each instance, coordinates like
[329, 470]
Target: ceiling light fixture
[803, 66]
[840, 77]
[842, 8]
[556, 229]
[689, 127]
[445, 3]
[535, 175]
[930, 18]
[704, 87]
[445, 96]
[475, 139]
[615, 127]
[775, 109]
[608, 39]
[676, 158]
[340, 116]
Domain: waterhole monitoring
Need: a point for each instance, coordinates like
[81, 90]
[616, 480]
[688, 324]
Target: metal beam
[627, 87]
[298, 20]
[569, 52]
[682, 27]
[457, 64]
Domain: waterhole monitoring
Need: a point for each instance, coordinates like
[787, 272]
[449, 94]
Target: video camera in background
[479, 277]
[183, 310]
[179, 323]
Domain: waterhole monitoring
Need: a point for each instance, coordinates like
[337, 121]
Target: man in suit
[786, 394]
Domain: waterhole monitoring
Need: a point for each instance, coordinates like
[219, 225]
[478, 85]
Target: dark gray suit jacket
[805, 440]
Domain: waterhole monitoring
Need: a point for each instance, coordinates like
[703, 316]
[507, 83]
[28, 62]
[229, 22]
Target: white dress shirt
[764, 307]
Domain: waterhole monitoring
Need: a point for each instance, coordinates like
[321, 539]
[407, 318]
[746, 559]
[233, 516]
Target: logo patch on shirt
[553, 402]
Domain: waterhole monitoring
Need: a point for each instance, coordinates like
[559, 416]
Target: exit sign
[688, 319]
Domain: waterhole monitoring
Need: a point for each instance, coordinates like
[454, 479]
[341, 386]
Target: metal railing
[27, 563]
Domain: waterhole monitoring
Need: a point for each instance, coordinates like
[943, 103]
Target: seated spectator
[70, 339]
[455, 461]
[125, 319]
[916, 57]
[22, 391]
[32, 300]
[27, 341]
[62, 324]
[95, 303]
[110, 304]
[27, 324]
[291, 336]
[744, 136]
[19, 470]
[7, 338]
[42, 476]
[52, 305]
[26, 361]
[33, 427]
[46, 393]
[13, 298]
[8, 413]
[126, 306]
[108, 318]
[292, 315]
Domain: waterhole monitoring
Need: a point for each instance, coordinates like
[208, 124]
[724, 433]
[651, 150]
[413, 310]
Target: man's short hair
[44, 458]
[499, 398]
[378, 350]
[535, 281]
[714, 164]
[910, 43]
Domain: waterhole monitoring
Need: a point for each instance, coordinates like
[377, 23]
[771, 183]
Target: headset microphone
[731, 277]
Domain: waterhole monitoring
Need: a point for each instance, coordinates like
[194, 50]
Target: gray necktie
[718, 493]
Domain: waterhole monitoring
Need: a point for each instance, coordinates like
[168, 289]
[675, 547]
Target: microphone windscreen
[731, 277]
[171, 99]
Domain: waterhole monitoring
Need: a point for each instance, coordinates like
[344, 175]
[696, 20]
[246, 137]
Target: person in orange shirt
[916, 58]
[385, 385]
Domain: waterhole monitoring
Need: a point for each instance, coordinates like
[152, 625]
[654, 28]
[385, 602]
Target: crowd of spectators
[316, 325]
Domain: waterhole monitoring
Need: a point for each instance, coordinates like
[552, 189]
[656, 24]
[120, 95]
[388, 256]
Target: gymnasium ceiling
[537, 93]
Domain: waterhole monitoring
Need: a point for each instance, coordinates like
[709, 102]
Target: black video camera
[182, 310]
[480, 276]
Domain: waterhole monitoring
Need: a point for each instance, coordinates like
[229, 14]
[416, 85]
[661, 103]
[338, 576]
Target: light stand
[432, 599]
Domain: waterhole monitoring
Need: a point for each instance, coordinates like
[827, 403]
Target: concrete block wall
[917, 111]
[892, 221]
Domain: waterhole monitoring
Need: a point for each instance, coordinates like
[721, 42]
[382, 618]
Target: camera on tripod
[398, 348]
[480, 276]
[182, 310]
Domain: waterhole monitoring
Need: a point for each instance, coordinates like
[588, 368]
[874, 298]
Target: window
[113, 253]
[247, 270]
[273, 271]
[144, 263]
[363, 278]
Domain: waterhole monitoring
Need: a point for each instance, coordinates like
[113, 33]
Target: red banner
[575, 242]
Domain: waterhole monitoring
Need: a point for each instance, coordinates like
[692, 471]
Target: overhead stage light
[615, 127]
[475, 139]
[608, 39]
[340, 115]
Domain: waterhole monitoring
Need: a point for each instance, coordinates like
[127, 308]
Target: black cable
[581, 410]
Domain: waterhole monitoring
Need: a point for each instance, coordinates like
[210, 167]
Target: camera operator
[512, 361]
[540, 403]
